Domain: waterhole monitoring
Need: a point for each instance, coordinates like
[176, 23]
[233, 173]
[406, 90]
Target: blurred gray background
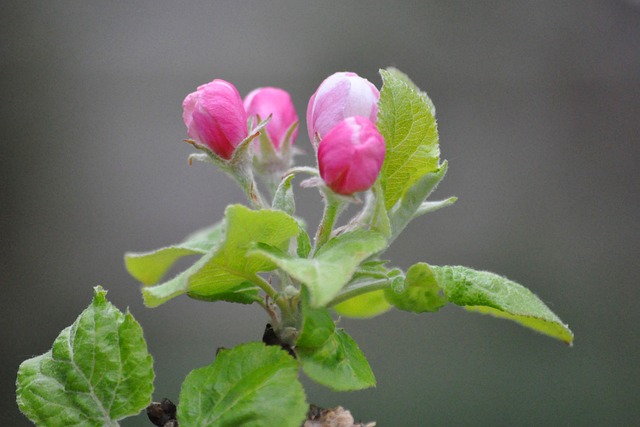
[538, 106]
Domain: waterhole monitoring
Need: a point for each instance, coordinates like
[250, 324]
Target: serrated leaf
[333, 265]
[97, 372]
[419, 293]
[338, 364]
[229, 265]
[364, 306]
[411, 201]
[490, 293]
[408, 125]
[149, 267]
[249, 385]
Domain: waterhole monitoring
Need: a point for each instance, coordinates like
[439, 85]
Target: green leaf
[364, 306]
[489, 293]
[380, 218]
[407, 207]
[249, 385]
[317, 325]
[338, 363]
[149, 267]
[97, 372]
[304, 244]
[406, 121]
[419, 293]
[333, 265]
[405, 78]
[284, 200]
[229, 264]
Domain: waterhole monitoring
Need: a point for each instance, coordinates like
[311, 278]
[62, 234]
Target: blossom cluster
[341, 123]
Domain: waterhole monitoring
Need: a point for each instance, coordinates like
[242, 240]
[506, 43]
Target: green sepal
[249, 385]
[419, 291]
[150, 267]
[331, 267]
[489, 293]
[407, 122]
[97, 372]
[230, 265]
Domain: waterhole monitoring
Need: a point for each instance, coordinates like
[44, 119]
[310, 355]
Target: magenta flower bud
[215, 117]
[339, 96]
[276, 102]
[350, 156]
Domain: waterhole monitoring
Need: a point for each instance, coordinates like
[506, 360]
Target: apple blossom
[341, 95]
[276, 102]
[350, 156]
[215, 117]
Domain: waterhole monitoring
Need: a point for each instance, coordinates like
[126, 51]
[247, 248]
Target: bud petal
[350, 156]
[276, 102]
[215, 117]
[339, 96]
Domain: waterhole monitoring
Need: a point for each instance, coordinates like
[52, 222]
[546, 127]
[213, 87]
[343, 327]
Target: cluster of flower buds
[341, 119]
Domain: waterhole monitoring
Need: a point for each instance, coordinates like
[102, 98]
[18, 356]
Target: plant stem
[331, 210]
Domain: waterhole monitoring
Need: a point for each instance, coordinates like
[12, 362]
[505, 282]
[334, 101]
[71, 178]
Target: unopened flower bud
[215, 117]
[276, 102]
[339, 96]
[350, 156]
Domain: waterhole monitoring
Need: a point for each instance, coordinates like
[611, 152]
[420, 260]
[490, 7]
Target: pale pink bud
[350, 156]
[215, 117]
[276, 102]
[339, 96]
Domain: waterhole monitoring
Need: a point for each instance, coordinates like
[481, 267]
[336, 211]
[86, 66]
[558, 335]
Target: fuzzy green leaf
[229, 265]
[338, 363]
[333, 265]
[488, 293]
[419, 293]
[249, 385]
[149, 267]
[97, 372]
[364, 306]
[284, 200]
[407, 122]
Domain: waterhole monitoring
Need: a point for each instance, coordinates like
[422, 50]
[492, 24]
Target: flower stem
[331, 210]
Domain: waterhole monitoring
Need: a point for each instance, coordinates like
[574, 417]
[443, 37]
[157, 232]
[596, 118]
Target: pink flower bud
[350, 156]
[277, 102]
[215, 117]
[339, 96]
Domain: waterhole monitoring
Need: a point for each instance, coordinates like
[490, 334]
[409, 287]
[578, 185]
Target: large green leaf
[489, 293]
[333, 265]
[419, 293]
[407, 122]
[97, 372]
[338, 363]
[228, 265]
[149, 267]
[249, 385]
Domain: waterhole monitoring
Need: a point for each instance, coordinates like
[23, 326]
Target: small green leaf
[338, 363]
[229, 265]
[406, 121]
[380, 218]
[317, 326]
[419, 293]
[97, 372]
[283, 200]
[332, 266]
[407, 207]
[249, 385]
[364, 306]
[149, 267]
[489, 293]
[304, 244]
